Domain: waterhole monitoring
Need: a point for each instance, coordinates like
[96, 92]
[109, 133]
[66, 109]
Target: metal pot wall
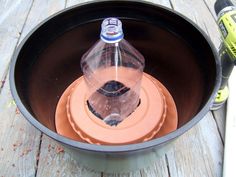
[177, 53]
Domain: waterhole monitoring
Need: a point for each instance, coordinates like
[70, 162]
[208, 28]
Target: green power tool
[226, 13]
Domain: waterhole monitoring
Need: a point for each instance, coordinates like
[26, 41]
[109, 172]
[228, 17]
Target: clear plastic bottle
[113, 72]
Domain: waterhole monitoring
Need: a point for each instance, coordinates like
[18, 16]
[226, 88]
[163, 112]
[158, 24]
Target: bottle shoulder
[130, 49]
[107, 51]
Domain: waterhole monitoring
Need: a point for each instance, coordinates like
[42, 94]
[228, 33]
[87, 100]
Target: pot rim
[118, 148]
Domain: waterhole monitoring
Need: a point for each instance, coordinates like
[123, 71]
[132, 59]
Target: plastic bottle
[113, 72]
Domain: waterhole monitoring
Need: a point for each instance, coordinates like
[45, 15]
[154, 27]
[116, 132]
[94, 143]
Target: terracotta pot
[155, 116]
[177, 53]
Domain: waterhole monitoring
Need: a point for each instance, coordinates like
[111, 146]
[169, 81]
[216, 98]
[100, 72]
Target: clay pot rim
[121, 148]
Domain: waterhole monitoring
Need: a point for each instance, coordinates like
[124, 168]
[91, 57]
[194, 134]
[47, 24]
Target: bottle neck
[111, 30]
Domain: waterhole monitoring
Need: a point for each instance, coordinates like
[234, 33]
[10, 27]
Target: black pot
[177, 53]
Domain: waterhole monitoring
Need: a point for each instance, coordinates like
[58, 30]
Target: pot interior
[176, 53]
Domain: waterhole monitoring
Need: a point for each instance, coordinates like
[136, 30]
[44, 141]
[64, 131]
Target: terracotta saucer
[145, 123]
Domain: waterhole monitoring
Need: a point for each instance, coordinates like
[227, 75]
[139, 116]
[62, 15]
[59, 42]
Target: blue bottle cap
[111, 30]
